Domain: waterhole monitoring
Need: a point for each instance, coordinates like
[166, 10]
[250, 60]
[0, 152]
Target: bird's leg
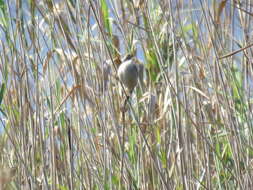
[123, 108]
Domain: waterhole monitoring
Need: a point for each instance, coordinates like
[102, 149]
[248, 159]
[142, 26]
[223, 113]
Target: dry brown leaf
[66, 97]
[45, 64]
[220, 9]
[202, 74]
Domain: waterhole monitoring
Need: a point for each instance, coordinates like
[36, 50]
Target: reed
[186, 125]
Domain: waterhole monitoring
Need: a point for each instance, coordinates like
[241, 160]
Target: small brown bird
[128, 73]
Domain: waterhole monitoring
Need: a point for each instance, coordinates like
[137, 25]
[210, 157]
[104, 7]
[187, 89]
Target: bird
[128, 73]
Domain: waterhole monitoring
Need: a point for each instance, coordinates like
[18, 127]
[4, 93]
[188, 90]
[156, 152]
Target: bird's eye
[127, 57]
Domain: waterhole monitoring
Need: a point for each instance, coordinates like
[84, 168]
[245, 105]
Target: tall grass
[188, 125]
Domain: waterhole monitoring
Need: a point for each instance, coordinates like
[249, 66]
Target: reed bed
[187, 125]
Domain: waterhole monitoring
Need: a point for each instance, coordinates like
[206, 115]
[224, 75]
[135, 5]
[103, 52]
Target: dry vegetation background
[188, 126]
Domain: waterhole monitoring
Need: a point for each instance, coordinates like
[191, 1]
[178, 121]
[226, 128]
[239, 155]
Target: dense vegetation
[188, 125]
